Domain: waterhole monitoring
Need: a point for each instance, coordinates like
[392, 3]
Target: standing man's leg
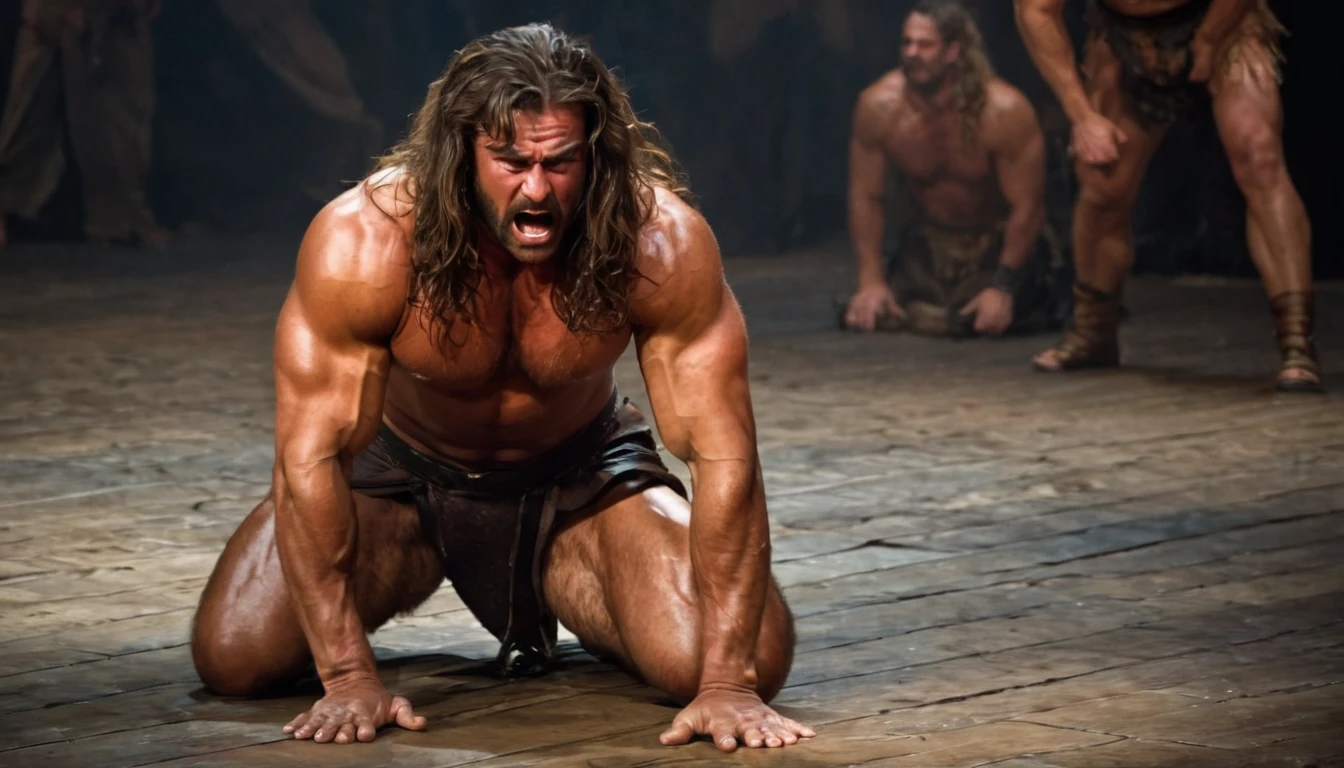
[1249, 115]
[31, 129]
[1103, 238]
[109, 83]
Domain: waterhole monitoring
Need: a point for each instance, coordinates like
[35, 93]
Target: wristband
[1007, 279]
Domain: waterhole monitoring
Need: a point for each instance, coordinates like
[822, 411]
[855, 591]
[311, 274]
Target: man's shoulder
[673, 237]
[879, 103]
[885, 92]
[1002, 95]
[677, 259]
[363, 234]
[355, 259]
[1003, 100]
[1008, 113]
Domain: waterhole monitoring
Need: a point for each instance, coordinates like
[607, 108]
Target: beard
[924, 77]
[523, 217]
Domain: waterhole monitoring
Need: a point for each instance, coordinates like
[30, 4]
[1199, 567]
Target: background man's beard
[934, 78]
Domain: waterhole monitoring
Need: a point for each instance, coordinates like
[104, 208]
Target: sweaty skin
[1113, 149]
[686, 602]
[954, 182]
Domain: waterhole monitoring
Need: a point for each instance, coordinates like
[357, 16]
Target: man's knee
[1105, 196]
[244, 644]
[230, 664]
[225, 671]
[1256, 156]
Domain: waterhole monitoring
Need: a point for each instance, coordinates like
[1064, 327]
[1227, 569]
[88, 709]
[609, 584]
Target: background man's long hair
[530, 68]
[971, 71]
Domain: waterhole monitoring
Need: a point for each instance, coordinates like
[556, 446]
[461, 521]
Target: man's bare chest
[930, 151]
[511, 343]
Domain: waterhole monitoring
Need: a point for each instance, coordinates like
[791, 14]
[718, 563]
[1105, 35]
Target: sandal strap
[1096, 323]
[1294, 312]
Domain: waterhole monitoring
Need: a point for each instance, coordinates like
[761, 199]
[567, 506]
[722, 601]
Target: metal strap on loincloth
[528, 644]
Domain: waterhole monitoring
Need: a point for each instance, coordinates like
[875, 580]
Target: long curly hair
[971, 72]
[530, 68]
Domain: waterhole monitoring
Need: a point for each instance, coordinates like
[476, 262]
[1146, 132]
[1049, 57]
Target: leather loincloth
[1155, 52]
[491, 527]
[937, 270]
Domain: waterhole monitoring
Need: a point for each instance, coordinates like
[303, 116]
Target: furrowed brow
[508, 151]
[564, 153]
[511, 152]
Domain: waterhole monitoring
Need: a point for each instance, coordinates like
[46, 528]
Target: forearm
[1047, 42]
[730, 556]
[1020, 232]
[866, 227]
[315, 534]
[1222, 17]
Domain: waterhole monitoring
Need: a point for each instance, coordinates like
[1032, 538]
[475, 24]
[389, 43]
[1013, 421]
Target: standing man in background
[1142, 58]
[82, 68]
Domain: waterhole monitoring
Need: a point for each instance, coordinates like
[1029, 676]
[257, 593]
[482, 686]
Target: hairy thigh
[620, 578]
[623, 564]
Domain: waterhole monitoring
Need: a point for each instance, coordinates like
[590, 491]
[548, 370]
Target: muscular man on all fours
[1142, 59]
[446, 408]
[972, 155]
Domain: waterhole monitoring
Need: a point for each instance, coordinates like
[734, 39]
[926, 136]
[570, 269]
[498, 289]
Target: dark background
[756, 105]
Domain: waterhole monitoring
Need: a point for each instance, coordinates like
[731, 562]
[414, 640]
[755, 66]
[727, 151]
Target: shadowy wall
[753, 95]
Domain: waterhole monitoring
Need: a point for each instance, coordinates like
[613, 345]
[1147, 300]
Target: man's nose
[536, 187]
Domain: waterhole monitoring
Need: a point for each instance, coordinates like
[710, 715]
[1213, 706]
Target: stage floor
[988, 565]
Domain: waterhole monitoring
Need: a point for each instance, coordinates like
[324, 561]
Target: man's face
[924, 57]
[530, 189]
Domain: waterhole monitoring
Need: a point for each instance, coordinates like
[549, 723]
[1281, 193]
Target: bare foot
[1075, 352]
[1299, 380]
[1048, 361]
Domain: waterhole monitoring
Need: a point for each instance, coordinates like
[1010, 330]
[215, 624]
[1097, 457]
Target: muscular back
[498, 392]
[954, 181]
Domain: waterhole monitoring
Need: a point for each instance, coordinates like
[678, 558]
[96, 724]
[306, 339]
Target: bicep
[867, 162]
[329, 386]
[698, 387]
[693, 353]
[331, 345]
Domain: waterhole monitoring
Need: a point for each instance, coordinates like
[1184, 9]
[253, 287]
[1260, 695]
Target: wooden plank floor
[989, 566]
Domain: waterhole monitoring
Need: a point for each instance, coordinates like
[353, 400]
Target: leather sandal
[1094, 339]
[1293, 315]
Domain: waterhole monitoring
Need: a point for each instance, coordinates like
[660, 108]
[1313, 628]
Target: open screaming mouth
[533, 226]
